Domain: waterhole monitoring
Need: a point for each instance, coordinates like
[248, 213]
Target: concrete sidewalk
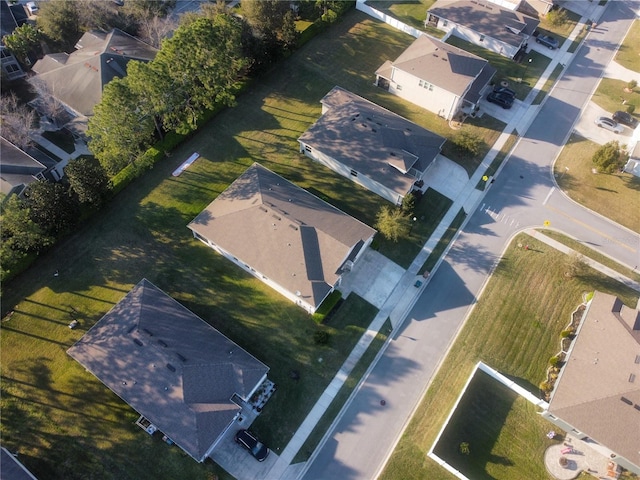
[405, 293]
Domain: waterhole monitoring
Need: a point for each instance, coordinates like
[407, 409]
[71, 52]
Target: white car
[609, 124]
[32, 8]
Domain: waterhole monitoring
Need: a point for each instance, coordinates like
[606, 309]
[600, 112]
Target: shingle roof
[12, 469]
[77, 79]
[441, 64]
[487, 18]
[17, 167]
[282, 231]
[598, 391]
[372, 140]
[170, 366]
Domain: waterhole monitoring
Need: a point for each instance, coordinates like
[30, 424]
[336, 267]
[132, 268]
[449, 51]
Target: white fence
[394, 22]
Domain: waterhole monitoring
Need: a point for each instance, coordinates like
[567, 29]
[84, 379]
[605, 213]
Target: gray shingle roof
[372, 140]
[170, 366]
[282, 231]
[487, 18]
[441, 64]
[601, 369]
[77, 79]
[17, 167]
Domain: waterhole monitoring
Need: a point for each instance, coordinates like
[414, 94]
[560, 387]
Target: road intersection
[523, 195]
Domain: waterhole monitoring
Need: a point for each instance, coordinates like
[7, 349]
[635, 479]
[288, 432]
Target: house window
[307, 148]
[398, 87]
[445, 23]
[12, 68]
[426, 85]
[354, 173]
[482, 38]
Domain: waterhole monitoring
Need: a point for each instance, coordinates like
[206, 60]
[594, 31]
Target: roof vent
[626, 400]
[147, 331]
[138, 342]
[171, 367]
[181, 357]
[636, 406]
[637, 359]
[162, 343]
[373, 130]
[632, 377]
[133, 327]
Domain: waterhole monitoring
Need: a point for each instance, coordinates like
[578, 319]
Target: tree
[610, 157]
[289, 33]
[46, 102]
[88, 180]
[17, 120]
[51, 207]
[19, 230]
[392, 223]
[118, 130]
[60, 22]
[557, 17]
[408, 204]
[266, 15]
[23, 40]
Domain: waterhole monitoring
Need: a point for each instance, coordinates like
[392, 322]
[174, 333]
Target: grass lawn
[528, 71]
[627, 54]
[441, 246]
[61, 139]
[62, 420]
[612, 195]
[498, 425]
[546, 88]
[611, 93]
[561, 32]
[516, 334]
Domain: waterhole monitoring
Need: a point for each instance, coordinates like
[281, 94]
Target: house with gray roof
[11, 468]
[77, 79]
[11, 68]
[597, 394]
[437, 76]
[286, 237]
[182, 375]
[483, 23]
[21, 167]
[368, 144]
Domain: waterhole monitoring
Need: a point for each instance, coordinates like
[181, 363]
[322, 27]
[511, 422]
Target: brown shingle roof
[487, 18]
[598, 391]
[441, 64]
[282, 231]
[170, 366]
[372, 140]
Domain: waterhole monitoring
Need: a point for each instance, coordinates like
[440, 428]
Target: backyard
[62, 420]
[516, 334]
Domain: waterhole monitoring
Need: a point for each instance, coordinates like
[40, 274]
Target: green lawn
[611, 93]
[498, 425]
[444, 241]
[516, 334]
[612, 195]
[561, 32]
[546, 88]
[521, 76]
[627, 54]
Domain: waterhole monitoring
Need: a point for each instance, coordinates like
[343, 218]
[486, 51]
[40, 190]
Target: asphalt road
[523, 195]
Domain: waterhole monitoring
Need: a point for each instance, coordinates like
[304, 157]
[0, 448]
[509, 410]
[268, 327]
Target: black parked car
[625, 119]
[505, 91]
[504, 100]
[548, 41]
[251, 443]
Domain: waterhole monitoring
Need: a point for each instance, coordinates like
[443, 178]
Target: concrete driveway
[446, 177]
[586, 127]
[502, 114]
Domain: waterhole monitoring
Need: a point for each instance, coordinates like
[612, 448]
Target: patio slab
[583, 456]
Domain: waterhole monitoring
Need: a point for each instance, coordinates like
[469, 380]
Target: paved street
[523, 195]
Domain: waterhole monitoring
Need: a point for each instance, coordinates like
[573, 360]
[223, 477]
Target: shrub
[610, 158]
[566, 333]
[321, 337]
[557, 17]
[555, 361]
[545, 387]
[631, 108]
[408, 203]
[632, 84]
[327, 306]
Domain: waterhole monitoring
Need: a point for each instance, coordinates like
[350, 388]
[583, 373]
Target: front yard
[516, 334]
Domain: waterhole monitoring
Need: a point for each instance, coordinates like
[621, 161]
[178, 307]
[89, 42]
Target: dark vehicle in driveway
[249, 441]
[548, 41]
[625, 119]
[504, 91]
[502, 99]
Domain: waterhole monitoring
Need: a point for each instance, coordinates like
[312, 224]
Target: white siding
[481, 40]
[437, 100]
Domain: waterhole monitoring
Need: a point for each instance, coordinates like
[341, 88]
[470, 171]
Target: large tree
[88, 180]
[17, 120]
[266, 15]
[118, 130]
[60, 22]
[392, 223]
[23, 40]
[51, 207]
[19, 230]
[610, 157]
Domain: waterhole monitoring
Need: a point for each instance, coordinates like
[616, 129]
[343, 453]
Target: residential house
[77, 79]
[11, 68]
[597, 394]
[530, 7]
[484, 23]
[436, 76]
[633, 164]
[382, 151]
[12, 468]
[19, 167]
[290, 239]
[185, 378]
